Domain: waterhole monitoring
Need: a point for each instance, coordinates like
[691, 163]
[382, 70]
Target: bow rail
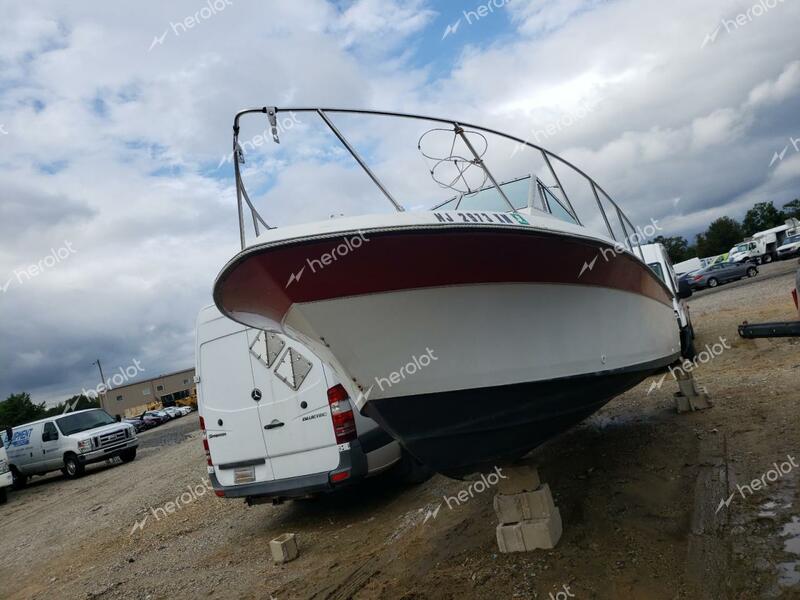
[461, 130]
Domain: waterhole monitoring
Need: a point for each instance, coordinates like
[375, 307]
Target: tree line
[18, 408]
[724, 233]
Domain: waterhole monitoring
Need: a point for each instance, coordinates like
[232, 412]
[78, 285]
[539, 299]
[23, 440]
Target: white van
[68, 442]
[656, 257]
[6, 479]
[276, 421]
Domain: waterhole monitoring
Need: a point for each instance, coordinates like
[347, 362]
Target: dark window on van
[49, 434]
[82, 421]
[657, 269]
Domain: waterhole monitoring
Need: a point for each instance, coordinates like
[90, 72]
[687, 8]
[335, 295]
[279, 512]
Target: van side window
[49, 433]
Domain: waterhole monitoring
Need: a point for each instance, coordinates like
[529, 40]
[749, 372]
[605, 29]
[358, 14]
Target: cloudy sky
[115, 122]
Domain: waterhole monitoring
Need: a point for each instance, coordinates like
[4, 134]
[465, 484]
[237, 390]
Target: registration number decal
[482, 217]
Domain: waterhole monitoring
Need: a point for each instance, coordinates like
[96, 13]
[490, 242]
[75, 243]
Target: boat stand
[529, 520]
[689, 396]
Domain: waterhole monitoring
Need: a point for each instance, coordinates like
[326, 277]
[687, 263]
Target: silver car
[716, 274]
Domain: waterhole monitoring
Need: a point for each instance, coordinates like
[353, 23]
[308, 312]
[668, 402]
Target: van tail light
[341, 476]
[344, 423]
[205, 442]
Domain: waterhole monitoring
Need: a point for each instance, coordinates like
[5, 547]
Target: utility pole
[102, 381]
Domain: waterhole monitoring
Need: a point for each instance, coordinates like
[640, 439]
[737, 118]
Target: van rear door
[294, 410]
[229, 408]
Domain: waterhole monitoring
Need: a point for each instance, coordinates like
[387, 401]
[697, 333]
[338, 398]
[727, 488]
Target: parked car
[156, 417]
[686, 278]
[137, 422]
[185, 409]
[173, 411]
[278, 422]
[716, 274]
[790, 247]
[68, 442]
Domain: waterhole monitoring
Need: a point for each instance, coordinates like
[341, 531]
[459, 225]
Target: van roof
[54, 417]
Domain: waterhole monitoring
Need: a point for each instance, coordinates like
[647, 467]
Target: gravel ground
[639, 488]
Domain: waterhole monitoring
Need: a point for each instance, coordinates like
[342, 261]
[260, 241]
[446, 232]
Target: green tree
[18, 408]
[77, 402]
[792, 209]
[722, 235]
[677, 247]
[762, 216]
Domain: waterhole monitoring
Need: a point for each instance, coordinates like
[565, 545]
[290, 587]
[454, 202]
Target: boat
[473, 331]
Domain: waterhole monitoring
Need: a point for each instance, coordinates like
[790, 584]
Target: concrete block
[682, 403]
[509, 538]
[524, 506]
[701, 401]
[687, 386]
[514, 480]
[530, 535]
[284, 548]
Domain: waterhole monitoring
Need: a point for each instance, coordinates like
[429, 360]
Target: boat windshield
[488, 199]
[519, 193]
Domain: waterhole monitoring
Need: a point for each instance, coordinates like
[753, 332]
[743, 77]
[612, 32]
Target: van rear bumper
[352, 461]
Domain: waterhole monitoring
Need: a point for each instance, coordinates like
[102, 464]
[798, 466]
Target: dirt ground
[649, 501]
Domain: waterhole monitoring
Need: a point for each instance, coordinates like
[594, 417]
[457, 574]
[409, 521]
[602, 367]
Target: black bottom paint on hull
[464, 431]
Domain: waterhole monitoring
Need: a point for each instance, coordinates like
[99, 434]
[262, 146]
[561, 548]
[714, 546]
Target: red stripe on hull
[268, 280]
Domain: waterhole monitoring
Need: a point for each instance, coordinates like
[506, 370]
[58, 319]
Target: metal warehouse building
[127, 400]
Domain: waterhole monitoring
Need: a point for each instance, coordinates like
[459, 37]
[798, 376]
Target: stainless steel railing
[629, 237]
